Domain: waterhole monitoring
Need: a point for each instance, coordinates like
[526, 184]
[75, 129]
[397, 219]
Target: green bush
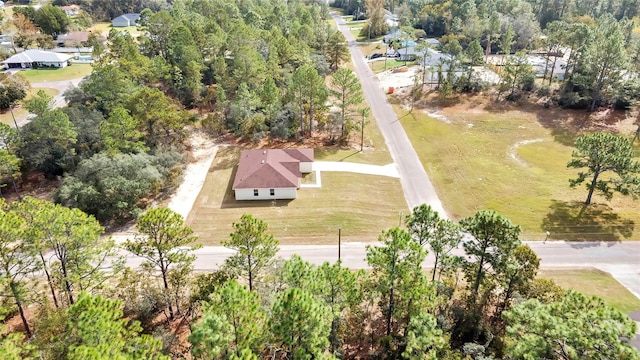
[115, 187]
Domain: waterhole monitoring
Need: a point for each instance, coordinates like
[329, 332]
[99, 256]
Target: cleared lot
[512, 159]
[361, 205]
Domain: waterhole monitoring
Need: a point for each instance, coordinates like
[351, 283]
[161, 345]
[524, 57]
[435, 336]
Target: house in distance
[271, 174]
[37, 59]
[125, 20]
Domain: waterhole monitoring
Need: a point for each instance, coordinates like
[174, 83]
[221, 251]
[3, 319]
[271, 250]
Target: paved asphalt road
[415, 183]
[622, 258]
[58, 99]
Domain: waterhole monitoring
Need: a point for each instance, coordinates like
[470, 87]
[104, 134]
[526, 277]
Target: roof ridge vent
[262, 162]
[264, 152]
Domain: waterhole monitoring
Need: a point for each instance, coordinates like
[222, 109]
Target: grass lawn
[372, 47]
[70, 72]
[5, 117]
[375, 150]
[339, 11]
[344, 201]
[595, 282]
[355, 27]
[104, 28]
[380, 66]
[513, 160]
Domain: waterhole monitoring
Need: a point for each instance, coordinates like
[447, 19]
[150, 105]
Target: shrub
[114, 187]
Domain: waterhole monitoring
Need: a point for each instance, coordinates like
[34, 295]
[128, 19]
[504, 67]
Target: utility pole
[386, 51]
[14, 118]
[362, 131]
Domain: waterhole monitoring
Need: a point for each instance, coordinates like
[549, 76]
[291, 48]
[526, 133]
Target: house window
[255, 192]
[272, 192]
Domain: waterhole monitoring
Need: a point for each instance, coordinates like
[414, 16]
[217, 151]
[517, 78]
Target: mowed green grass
[361, 205]
[6, 118]
[595, 282]
[506, 160]
[375, 151]
[104, 28]
[380, 66]
[73, 71]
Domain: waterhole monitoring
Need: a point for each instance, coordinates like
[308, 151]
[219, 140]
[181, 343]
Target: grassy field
[369, 48]
[5, 117]
[104, 28]
[344, 202]
[595, 282]
[375, 150]
[355, 27]
[70, 72]
[380, 66]
[513, 160]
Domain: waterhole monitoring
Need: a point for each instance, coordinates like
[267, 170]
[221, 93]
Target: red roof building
[271, 173]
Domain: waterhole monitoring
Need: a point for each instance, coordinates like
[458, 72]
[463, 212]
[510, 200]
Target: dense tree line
[105, 10]
[108, 170]
[245, 65]
[252, 69]
[599, 40]
[487, 304]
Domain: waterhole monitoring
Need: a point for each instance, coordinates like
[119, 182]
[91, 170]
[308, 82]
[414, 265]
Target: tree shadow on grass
[226, 158]
[567, 124]
[575, 221]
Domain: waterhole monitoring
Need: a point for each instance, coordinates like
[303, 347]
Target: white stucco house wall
[271, 174]
[37, 58]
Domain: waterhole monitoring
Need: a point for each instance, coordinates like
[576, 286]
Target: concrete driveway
[319, 166]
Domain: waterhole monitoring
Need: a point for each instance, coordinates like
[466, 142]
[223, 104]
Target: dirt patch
[514, 148]
[32, 184]
[563, 122]
[390, 79]
[437, 114]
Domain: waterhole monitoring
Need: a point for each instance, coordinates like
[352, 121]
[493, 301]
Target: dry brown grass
[19, 111]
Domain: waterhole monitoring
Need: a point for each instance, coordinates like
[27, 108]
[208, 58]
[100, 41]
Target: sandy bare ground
[203, 151]
[389, 78]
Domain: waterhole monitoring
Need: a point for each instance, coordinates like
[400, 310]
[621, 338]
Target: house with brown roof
[74, 39]
[271, 174]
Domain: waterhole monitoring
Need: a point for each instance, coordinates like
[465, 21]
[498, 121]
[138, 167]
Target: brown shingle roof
[273, 168]
[74, 36]
[304, 155]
